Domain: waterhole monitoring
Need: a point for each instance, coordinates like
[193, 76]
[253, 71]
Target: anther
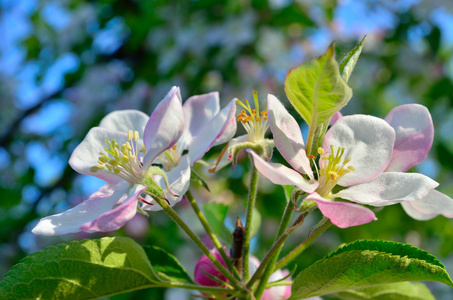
[346, 160]
[174, 147]
[320, 151]
[130, 134]
[136, 136]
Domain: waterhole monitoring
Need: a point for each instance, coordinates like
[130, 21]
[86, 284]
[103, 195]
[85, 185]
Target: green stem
[248, 220]
[270, 267]
[199, 243]
[299, 249]
[273, 251]
[197, 287]
[211, 234]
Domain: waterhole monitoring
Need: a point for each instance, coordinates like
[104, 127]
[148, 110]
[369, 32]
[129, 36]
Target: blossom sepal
[264, 150]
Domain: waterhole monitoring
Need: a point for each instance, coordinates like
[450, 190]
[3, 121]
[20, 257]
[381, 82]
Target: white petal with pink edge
[434, 204]
[343, 214]
[218, 131]
[164, 127]
[118, 216]
[198, 112]
[287, 136]
[390, 188]
[86, 154]
[367, 140]
[414, 135]
[279, 174]
[87, 211]
[125, 120]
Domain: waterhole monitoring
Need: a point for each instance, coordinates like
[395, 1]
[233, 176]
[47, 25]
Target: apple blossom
[255, 123]
[355, 154]
[138, 168]
[414, 137]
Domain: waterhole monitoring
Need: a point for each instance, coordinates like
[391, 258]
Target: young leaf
[392, 291]
[317, 91]
[166, 265]
[367, 263]
[88, 269]
[348, 63]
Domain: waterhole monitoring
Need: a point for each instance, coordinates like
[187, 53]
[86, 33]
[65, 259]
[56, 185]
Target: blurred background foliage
[66, 64]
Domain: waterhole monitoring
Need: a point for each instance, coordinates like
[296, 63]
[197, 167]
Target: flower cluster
[142, 157]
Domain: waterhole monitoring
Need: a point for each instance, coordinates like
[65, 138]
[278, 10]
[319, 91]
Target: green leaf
[392, 291]
[317, 91]
[215, 214]
[80, 270]
[367, 263]
[348, 63]
[288, 190]
[195, 177]
[166, 266]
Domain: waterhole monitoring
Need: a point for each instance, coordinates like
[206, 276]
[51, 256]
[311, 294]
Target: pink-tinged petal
[165, 126]
[87, 211]
[198, 112]
[125, 120]
[336, 116]
[86, 154]
[287, 136]
[279, 174]
[434, 204]
[343, 214]
[179, 181]
[218, 131]
[278, 292]
[390, 188]
[367, 140]
[414, 135]
[117, 217]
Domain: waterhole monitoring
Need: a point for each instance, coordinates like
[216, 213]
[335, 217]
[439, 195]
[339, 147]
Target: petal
[218, 131]
[117, 217]
[390, 188]
[287, 136]
[336, 116]
[164, 127]
[87, 211]
[279, 174]
[86, 154]
[179, 181]
[414, 135]
[367, 140]
[198, 111]
[435, 203]
[125, 120]
[343, 214]
[278, 292]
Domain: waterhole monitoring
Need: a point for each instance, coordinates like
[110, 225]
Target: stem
[209, 231]
[270, 267]
[248, 221]
[197, 241]
[196, 287]
[299, 249]
[273, 251]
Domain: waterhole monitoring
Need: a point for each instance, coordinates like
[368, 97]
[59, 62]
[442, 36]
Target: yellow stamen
[320, 151]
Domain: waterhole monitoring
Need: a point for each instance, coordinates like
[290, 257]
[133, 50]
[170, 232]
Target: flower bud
[205, 266]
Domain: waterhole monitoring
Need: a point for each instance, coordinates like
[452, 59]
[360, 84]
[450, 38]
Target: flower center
[331, 169]
[254, 121]
[122, 161]
[169, 158]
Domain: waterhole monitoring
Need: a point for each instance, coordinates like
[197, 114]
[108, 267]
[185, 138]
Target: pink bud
[205, 266]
